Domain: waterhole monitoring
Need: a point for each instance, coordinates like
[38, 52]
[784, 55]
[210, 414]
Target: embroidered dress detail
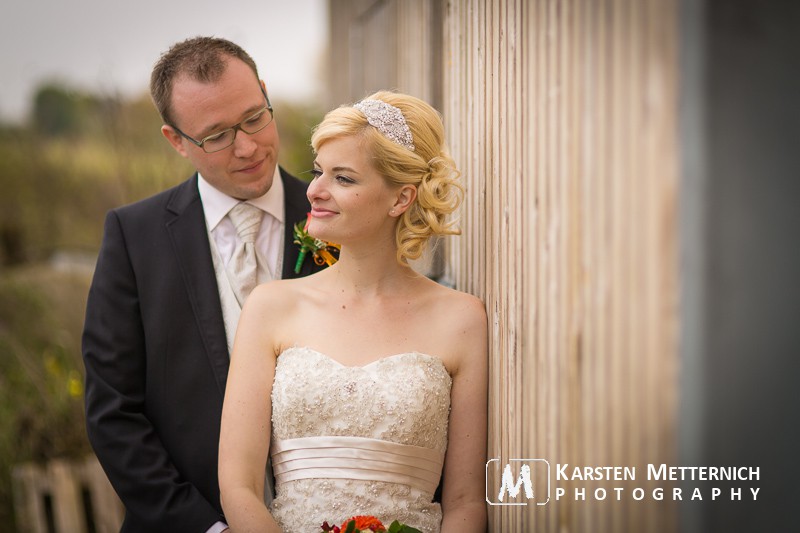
[358, 440]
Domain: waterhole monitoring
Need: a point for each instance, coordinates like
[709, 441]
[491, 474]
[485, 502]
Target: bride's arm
[246, 414]
[463, 495]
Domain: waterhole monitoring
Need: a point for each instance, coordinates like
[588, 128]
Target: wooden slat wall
[384, 44]
[562, 117]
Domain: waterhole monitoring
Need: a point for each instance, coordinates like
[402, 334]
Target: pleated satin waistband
[356, 458]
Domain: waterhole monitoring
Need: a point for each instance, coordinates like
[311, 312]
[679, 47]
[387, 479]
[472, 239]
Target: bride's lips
[319, 212]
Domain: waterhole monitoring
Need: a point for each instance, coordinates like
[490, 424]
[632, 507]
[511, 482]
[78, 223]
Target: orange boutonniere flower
[323, 253]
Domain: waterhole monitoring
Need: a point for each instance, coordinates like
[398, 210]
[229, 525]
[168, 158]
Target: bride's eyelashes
[340, 178]
[344, 180]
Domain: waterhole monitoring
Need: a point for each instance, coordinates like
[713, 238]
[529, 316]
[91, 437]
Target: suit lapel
[187, 231]
[297, 208]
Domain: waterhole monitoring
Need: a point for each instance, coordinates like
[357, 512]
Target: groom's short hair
[203, 59]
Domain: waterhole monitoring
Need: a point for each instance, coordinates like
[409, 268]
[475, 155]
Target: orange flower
[364, 523]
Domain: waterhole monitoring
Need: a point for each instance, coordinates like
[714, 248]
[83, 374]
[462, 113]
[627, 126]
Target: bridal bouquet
[364, 524]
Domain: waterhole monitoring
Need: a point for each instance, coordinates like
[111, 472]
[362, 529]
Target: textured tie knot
[246, 219]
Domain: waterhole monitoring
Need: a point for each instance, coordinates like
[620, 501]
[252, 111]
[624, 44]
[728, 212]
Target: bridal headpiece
[388, 120]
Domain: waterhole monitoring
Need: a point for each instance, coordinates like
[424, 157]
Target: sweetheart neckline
[385, 358]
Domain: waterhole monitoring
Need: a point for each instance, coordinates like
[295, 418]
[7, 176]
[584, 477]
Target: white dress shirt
[269, 241]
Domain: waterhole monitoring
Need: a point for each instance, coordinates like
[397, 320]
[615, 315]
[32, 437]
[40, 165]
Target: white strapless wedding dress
[362, 440]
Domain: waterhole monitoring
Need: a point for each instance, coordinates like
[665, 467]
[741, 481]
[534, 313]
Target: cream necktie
[242, 269]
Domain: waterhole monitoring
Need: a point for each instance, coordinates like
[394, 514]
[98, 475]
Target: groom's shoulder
[175, 198]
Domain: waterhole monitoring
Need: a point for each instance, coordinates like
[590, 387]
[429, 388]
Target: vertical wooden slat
[107, 508]
[29, 488]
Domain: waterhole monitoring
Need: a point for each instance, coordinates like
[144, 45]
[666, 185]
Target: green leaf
[351, 526]
[397, 527]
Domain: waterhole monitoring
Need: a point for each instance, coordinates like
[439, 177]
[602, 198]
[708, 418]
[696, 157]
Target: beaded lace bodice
[401, 401]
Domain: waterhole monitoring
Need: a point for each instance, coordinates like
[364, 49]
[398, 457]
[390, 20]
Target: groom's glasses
[223, 139]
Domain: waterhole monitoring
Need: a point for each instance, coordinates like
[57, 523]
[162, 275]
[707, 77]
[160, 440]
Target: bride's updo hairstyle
[405, 150]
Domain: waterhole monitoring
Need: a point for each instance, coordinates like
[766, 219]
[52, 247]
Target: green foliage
[295, 123]
[58, 187]
[57, 110]
[41, 373]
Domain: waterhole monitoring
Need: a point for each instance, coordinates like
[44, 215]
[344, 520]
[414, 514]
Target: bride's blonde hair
[428, 167]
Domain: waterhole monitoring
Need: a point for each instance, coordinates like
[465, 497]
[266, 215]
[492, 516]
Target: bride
[365, 383]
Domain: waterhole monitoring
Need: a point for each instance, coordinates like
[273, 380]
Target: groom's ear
[174, 139]
[406, 195]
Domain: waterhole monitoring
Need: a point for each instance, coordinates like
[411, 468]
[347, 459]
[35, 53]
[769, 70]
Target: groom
[171, 276]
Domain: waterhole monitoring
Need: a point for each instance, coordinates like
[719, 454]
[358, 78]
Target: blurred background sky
[108, 47]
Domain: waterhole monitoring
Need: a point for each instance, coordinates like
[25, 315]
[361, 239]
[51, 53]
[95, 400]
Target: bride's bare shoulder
[465, 306]
[460, 322]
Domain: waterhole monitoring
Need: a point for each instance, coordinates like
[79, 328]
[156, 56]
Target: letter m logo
[529, 472]
[508, 485]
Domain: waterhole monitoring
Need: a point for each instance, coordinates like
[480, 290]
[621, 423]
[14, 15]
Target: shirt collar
[216, 203]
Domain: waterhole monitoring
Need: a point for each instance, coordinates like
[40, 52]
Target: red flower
[364, 523]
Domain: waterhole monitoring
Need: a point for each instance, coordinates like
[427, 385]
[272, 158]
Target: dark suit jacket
[156, 357]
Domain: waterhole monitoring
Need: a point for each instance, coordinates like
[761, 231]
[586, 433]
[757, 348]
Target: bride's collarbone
[355, 344]
[364, 356]
[379, 328]
[375, 308]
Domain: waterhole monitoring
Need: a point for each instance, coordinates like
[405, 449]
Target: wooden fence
[65, 497]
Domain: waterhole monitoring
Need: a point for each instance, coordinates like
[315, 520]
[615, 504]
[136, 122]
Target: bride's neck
[371, 272]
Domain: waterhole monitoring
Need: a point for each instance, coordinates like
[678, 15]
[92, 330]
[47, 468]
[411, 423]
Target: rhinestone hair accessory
[388, 120]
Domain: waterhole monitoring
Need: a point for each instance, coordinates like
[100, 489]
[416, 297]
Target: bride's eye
[344, 180]
[315, 173]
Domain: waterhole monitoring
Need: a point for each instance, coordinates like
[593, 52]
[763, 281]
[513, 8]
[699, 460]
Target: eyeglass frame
[234, 128]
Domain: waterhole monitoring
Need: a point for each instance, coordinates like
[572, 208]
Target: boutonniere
[368, 524]
[323, 253]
